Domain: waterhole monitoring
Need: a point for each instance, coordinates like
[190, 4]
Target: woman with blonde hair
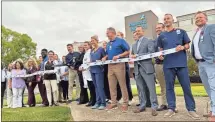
[97, 73]
[31, 82]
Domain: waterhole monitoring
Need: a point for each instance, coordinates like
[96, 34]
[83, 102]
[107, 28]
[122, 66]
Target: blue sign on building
[142, 22]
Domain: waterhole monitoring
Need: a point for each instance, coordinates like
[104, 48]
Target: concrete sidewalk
[82, 113]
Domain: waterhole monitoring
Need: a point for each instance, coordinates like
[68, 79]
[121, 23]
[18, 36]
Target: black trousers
[65, 86]
[83, 94]
[128, 84]
[92, 92]
[3, 88]
[106, 84]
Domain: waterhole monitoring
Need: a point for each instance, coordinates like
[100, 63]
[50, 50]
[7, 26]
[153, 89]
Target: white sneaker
[193, 115]
[170, 113]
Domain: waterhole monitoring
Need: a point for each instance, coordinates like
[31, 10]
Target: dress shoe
[207, 114]
[138, 110]
[137, 104]
[89, 104]
[162, 107]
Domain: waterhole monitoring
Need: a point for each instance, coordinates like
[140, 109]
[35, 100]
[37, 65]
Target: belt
[159, 63]
[200, 60]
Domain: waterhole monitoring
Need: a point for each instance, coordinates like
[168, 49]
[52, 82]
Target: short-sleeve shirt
[116, 47]
[18, 82]
[97, 55]
[172, 39]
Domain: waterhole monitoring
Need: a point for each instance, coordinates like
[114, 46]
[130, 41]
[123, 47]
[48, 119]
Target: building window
[185, 22]
[211, 18]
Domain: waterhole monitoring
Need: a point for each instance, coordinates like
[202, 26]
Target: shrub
[192, 66]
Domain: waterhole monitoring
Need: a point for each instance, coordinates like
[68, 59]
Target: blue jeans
[183, 77]
[207, 74]
[98, 81]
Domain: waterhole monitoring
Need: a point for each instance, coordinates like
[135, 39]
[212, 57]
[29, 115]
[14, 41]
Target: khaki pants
[73, 76]
[51, 88]
[161, 80]
[116, 72]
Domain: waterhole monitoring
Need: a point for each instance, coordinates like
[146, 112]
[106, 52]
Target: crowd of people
[110, 83]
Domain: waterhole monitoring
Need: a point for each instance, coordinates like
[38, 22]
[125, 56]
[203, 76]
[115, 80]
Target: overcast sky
[52, 25]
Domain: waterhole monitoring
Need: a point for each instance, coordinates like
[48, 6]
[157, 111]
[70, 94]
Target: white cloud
[54, 24]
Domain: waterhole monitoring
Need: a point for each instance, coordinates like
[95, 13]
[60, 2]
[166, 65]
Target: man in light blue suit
[203, 51]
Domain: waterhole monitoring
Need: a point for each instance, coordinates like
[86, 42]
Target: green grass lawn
[37, 114]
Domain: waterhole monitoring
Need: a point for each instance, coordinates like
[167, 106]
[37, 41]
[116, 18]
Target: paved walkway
[82, 113]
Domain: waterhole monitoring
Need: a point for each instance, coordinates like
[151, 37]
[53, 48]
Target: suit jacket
[146, 47]
[207, 45]
[79, 62]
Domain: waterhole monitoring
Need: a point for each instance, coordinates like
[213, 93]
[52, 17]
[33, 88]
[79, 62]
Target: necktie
[138, 44]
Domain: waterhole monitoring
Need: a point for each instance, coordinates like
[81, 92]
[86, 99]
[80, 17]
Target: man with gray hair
[128, 83]
[117, 48]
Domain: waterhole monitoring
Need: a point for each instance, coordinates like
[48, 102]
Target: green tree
[16, 45]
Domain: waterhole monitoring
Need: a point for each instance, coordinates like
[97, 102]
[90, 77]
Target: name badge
[110, 47]
[201, 38]
[178, 32]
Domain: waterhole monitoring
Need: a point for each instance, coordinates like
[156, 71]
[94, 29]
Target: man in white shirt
[203, 51]
[64, 83]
